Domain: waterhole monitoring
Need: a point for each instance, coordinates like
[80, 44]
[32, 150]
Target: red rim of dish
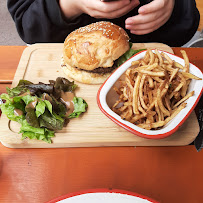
[158, 136]
[101, 191]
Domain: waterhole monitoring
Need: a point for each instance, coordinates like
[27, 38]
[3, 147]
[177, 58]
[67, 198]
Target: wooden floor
[200, 8]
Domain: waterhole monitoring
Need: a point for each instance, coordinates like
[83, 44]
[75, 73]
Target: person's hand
[151, 17]
[108, 10]
[97, 8]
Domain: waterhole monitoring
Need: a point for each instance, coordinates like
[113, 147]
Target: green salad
[40, 108]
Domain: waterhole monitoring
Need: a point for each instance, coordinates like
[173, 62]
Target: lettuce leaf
[24, 82]
[80, 106]
[51, 121]
[36, 133]
[8, 108]
[15, 91]
[28, 98]
[57, 107]
[64, 85]
[128, 54]
[40, 108]
[48, 105]
[31, 117]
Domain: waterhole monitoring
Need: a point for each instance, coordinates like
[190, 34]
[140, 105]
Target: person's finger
[108, 6]
[152, 6]
[147, 30]
[149, 22]
[117, 13]
[141, 19]
[131, 5]
[146, 25]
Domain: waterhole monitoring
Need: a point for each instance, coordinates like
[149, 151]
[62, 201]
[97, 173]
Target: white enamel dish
[103, 195]
[106, 97]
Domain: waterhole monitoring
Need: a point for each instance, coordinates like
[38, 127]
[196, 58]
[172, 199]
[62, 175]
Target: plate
[106, 97]
[103, 195]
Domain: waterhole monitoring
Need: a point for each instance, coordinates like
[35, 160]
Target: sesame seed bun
[91, 47]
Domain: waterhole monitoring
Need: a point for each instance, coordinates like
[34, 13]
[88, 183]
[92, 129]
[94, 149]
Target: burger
[90, 52]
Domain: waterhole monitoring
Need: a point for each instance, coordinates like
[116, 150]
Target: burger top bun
[95, 45]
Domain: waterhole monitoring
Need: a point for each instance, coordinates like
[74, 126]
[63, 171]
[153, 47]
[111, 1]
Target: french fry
[179, 87]
[134, 63]
[146, 57]
[166, 62]
[151, 73]
[184, 88]
[128, 72]
[162, 115]
[125, 92]
[178, 65]
[117, 102]
[153, 125]
[158, 111]
[183, 99]
[123, 108]
[150, 97]
[177, 95]
[136, 118]
[191, 76]
[186, 68]
[146, 67]
[182, 106]
[124, 115]
[128, 114]
[140, 108]
[156, 60]
[151, 83]
[128, 103]
[151, 55]
[170, 67]
[151, 67]
[167, 57]
[157, 79]
[142, 62]
[118, 91]
[128, 82]
[160, 57]
[160, 103]
[135, 95]
[141, 97]
[167, 102]
[174, 73]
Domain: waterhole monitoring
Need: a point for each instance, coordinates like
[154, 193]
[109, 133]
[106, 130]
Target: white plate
[105, 97]
[117, 196]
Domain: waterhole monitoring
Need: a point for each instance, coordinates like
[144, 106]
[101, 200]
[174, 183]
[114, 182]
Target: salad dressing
[18, 112]
[67, 99]
[32, 104]
[45, 96]
[24, 94]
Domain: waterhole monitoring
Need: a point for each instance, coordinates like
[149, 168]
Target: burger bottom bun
[83, 76]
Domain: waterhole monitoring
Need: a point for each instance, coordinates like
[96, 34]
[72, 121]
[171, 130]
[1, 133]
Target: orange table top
[165, 174]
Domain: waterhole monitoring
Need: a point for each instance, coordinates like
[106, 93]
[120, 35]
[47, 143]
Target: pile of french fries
[154, 90]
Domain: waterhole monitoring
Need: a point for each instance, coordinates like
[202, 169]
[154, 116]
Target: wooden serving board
[41, 62]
